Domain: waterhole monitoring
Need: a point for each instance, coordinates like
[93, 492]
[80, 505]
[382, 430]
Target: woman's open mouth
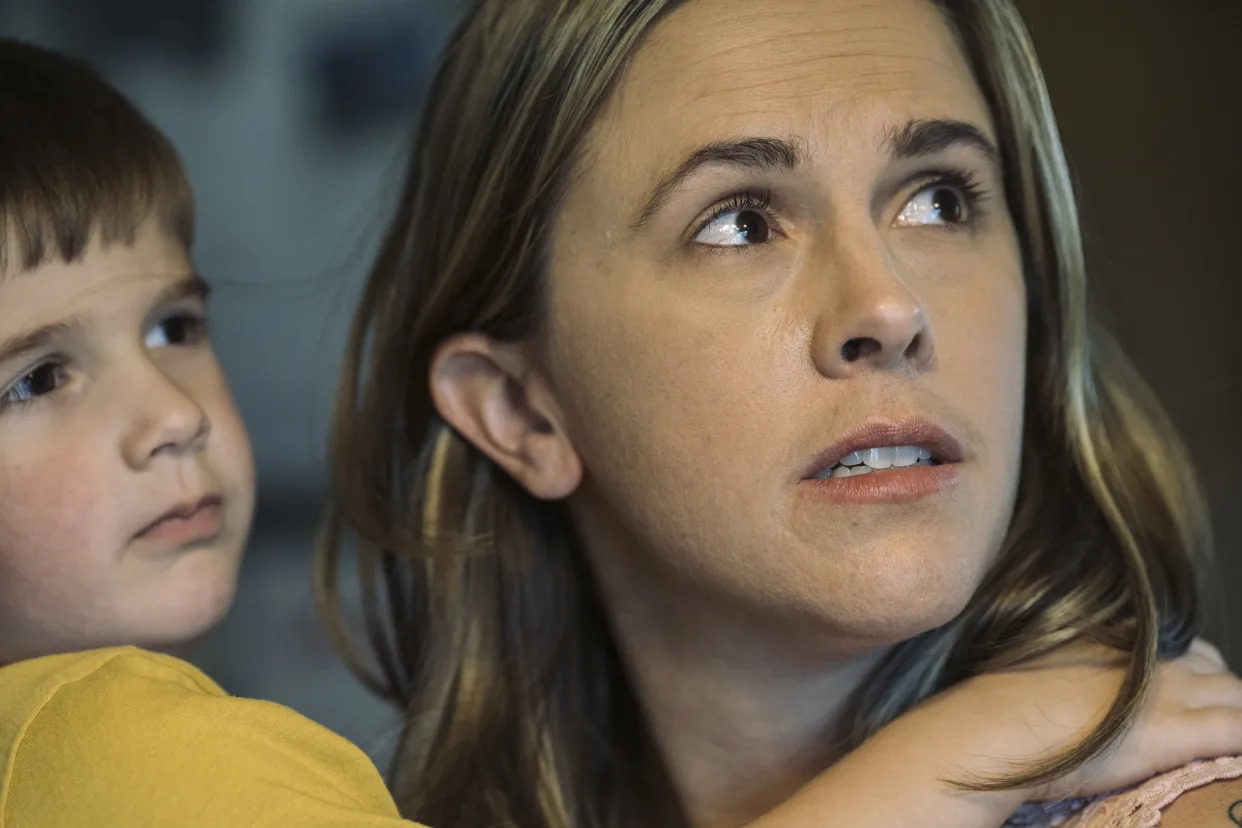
[886, 462]
[878, 459]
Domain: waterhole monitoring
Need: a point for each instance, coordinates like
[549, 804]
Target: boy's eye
[38, 383]
[182, 329]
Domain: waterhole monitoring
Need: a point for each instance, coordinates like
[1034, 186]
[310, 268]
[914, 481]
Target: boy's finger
[1219, 690]
[1213, 731]
[1206, 650]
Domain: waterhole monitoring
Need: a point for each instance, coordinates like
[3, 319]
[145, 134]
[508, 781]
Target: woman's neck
[745, 710]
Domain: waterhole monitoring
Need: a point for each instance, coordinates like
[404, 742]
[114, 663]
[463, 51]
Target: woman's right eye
[737, 228]
[741, 220]
[39, 382]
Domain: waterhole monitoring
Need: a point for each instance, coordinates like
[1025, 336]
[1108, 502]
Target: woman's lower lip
[881, 487]
[204, 524]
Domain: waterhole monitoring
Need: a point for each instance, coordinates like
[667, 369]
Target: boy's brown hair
[77, 161]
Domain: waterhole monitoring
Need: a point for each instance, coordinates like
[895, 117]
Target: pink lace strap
[1140, 807]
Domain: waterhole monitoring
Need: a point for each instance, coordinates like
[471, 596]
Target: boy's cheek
[230, 453]
[49, 507]
[53, 557]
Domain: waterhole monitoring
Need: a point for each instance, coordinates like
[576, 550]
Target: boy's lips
[187, 522]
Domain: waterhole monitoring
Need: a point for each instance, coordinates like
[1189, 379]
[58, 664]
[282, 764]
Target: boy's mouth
[187, 522]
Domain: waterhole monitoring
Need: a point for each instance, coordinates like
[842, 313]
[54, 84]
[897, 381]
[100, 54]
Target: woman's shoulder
[140, 739]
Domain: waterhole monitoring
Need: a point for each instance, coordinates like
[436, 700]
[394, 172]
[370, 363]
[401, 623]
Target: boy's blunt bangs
[78, 161]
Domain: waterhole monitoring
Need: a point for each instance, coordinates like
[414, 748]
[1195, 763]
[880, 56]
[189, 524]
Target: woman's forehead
[827, 73]
[738, 49]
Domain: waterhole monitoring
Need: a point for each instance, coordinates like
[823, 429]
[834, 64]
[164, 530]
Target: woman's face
[788, 240]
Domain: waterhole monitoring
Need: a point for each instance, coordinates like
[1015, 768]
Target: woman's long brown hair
[484, 622]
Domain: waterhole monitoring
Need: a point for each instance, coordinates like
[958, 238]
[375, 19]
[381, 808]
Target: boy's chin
[188, 627]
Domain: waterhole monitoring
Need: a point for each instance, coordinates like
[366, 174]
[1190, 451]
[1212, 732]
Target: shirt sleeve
[145, 741]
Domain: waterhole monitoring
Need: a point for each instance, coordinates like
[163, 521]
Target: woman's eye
[182, 329]
[38, 383]
[937, 204]
[735, 228]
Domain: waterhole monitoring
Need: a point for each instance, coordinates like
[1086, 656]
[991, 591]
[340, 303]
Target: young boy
[126, 494]
[126, 484]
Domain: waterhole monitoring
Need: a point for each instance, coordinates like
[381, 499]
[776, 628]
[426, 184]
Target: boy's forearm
[886, 782]
[883, 803]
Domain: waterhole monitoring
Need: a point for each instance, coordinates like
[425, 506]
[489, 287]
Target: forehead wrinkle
[813, 82]
[781, 42]
[783, 55]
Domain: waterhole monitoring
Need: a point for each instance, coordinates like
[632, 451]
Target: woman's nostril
[858, 348]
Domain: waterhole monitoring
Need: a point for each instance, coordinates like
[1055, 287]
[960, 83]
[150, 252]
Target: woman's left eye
[938, 204]
[181, 329]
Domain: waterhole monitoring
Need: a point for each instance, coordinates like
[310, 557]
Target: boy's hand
[1012, 718]
[997, 723]
[1193, 711]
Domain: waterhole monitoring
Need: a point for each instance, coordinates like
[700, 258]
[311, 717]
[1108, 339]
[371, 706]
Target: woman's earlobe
[490, 393]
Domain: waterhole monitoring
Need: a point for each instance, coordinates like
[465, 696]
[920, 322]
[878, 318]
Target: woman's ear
[494, 396]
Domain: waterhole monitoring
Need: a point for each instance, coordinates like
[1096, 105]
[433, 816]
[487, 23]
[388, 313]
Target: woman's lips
[890, 486]
[911, 432]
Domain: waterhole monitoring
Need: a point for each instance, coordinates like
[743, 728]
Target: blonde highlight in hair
[484, 621]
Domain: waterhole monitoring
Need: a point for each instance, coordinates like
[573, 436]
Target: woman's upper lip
[917, 431]
[184, 510]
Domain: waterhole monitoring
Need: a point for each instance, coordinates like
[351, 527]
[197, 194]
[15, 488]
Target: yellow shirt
[124, 738]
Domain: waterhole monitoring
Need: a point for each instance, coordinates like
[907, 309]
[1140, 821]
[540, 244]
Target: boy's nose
[167, 421]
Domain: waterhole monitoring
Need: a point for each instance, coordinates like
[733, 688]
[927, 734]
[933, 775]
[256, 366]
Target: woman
[725, 387]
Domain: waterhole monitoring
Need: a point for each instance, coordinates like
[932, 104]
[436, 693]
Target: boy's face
[126, 481]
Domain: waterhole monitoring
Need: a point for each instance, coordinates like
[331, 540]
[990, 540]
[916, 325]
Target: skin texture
[138, 420]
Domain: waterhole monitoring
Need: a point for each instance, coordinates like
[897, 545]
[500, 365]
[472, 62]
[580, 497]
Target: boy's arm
[145, 741]
[897, 777]
[995, 723]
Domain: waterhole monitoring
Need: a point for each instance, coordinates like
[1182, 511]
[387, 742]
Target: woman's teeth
[878, 459]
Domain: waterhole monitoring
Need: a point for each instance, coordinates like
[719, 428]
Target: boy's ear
[492, 394]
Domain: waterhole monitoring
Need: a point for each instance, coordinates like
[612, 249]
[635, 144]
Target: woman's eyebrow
[919, 137]
[756, 153]
[914, 138]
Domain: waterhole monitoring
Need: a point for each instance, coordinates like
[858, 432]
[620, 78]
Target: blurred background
[292, 117]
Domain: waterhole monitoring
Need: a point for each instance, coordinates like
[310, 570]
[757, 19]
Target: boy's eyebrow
[18, 346]
[192, 286]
